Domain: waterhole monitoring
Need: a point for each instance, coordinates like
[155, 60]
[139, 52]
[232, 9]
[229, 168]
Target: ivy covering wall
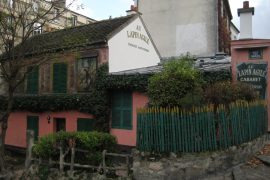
[97, 100]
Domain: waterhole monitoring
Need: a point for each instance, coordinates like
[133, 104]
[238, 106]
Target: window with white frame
[9, 24]
[37, 29]
[10, 3]
[74, 20]
[56, 12]
[35, 6]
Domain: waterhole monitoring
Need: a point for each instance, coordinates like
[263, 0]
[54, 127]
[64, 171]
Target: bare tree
[19, 20]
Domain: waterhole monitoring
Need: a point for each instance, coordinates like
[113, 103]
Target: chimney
[133, 10]
[246, 14]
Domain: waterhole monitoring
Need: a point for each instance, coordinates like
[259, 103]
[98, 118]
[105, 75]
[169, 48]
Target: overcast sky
[261, 19]
[103, 9]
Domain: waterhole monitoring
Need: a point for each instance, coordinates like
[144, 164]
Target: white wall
[129, 52]
[181, 26]
[246, 25]
[234, 33]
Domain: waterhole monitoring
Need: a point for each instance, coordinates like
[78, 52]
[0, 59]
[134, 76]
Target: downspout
[217, 25]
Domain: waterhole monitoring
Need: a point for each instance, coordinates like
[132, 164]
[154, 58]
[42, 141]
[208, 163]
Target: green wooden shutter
[127, 110]
[32, 81]
[33, 124]
[60, 78]
[85, 124]
[122, 110]
[116, 110]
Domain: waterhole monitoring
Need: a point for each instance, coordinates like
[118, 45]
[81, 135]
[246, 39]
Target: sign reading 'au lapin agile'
[137, 34]
[254, 74]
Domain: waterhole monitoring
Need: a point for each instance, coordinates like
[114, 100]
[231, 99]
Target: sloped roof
[204, 64]
[80, 36]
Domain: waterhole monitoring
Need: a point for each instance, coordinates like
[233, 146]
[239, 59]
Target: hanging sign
[254, 74]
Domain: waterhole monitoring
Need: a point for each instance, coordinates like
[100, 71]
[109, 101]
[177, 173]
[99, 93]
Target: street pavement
[257, 168]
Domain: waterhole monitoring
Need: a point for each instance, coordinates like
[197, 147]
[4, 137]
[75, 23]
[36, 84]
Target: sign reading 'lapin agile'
[253, 74]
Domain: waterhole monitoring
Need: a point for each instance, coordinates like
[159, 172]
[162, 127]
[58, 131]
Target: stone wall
[148, 166]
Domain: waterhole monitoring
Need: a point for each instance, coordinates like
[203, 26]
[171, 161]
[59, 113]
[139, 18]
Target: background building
[177, 27]
[234, 32]
[63, 16]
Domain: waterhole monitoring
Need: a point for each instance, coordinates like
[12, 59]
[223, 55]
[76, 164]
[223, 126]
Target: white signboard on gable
[131, 48]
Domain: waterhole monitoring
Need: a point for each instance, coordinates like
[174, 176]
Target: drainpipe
[217, 25]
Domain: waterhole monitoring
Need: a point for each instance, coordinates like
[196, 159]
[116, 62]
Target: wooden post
[39, 161]
[30, 143]
[104, 161]
[61, 159]
[72, 159]
[128, 167]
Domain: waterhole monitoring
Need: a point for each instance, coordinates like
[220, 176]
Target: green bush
[94, 142]
[177, 79]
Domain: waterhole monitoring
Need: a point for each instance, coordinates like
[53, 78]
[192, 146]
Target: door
[33, 124]
[60, 124]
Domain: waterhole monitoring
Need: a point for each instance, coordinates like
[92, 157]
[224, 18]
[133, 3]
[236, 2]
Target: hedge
[94, 142]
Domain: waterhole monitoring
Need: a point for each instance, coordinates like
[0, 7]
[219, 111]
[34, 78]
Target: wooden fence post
[30, 143]
[128, 167]
[61, 159]
[104, 161]
[72, 159]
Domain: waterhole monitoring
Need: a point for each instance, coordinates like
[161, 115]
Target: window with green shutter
[33, 124]
[85, 124]
[60, 78]
[32, 80]
[122, 110]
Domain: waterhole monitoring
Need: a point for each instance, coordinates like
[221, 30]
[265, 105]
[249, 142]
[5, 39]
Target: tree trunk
[4, 126]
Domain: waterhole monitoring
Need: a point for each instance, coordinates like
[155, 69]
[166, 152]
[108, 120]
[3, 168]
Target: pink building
[250, 64]
[77, 53]
[250, 57]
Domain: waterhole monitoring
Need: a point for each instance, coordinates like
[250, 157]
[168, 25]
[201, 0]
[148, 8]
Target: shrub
[177, 79]
[227, 92]
[94, 142]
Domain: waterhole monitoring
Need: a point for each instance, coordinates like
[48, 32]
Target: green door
[33, 124]
[60, 78]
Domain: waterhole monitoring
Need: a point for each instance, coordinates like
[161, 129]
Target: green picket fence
[201, 129]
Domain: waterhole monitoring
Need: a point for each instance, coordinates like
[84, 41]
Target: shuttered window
[60, 78]
[85, 124]
[32, 80]
[122, 110]
[33, 124]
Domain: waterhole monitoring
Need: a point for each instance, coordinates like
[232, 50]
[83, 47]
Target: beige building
[61, 16]
[201, 28]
